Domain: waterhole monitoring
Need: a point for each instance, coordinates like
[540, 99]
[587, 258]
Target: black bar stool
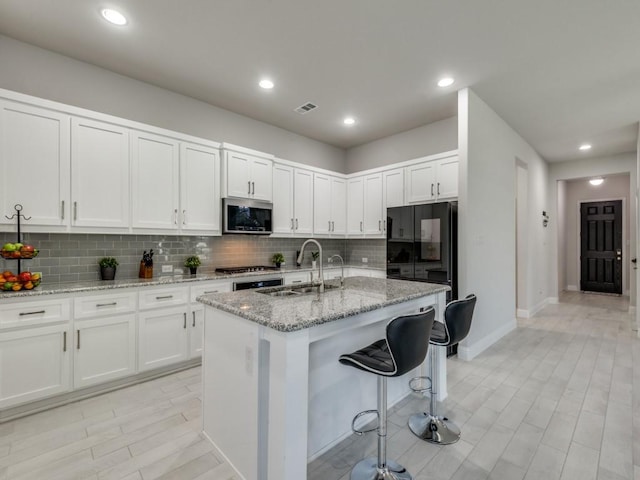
[404, 348]
[457, 322]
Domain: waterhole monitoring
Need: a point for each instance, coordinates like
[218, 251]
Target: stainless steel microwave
[246, 216]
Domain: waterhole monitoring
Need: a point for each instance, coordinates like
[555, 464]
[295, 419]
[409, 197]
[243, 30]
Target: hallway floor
[554, 399]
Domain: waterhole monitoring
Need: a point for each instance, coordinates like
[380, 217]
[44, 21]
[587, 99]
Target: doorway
[601, 246]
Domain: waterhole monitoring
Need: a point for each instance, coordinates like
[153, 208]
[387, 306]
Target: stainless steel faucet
[311, 240]
[330, 260]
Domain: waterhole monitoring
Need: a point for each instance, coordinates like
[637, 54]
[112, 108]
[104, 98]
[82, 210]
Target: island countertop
[297, 312]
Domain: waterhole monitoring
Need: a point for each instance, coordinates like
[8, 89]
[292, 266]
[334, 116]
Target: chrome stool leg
[380, 468]
[430, 426]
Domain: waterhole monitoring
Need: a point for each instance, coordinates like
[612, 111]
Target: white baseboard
[522, 313]
[469, 352]
[553, 300]
[538, 307]
[572, 288]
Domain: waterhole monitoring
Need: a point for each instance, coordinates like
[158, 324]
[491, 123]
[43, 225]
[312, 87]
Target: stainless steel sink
[289, 291]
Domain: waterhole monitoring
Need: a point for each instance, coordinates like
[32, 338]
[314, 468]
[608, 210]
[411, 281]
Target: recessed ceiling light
[445, 82]
[596, 181]
[113, 16]
[349, 121]
[585, 147]
[266, 84]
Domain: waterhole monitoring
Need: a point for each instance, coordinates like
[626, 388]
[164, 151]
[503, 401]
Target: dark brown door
[601, 246]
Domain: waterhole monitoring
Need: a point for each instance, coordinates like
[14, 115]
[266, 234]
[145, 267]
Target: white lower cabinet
[34, 363]
[196, 331]
[162, 337]
[104, 349]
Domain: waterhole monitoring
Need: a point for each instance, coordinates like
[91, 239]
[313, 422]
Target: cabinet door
[262, 179]
[355, 206]
[447, 174]
[394, 188]
[34, 161]
[99, 174]
[303, 202]
[237, 168]
[338, 206]
[104, 349]
[162, 337]
[154, 181]
[321, 204]
[34, 363]
[196, 332]
[283, 217]
[373, 206]
[199, 189]
[420, 183]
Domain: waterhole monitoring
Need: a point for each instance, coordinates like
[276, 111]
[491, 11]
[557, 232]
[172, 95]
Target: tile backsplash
[74, 257]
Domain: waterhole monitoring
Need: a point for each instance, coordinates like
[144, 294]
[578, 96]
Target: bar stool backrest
[457, 318]
[408, 339]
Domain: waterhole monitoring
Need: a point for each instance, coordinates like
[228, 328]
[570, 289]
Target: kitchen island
[274, 394]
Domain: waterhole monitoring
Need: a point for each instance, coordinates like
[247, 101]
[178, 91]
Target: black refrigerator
[422, 244]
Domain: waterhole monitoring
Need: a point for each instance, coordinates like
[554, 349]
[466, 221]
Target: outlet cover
[365, 260]
[167, 268]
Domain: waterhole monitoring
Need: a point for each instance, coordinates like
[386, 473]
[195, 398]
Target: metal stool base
[434, 429]
[367, 469]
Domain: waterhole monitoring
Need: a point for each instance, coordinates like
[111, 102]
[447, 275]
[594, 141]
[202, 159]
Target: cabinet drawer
[163, 297]
[210, 287]
[297, 277]
[34, 312]
[100, 305]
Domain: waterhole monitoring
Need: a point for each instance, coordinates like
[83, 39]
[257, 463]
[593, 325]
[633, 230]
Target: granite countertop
[87, 286]
[297, 312]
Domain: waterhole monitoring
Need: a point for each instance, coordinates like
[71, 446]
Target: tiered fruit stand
[19, 255]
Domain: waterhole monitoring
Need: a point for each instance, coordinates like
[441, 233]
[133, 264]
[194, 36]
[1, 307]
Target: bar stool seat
[404, 348]
[430, 426]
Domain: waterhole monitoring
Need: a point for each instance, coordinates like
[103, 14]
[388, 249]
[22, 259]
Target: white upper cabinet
[374, 209]
[155, 181]
[432, 180]
[199, 189]
[292, 201]
[329, 205]
[247, 173]
[100, 179]
[303, 202]
[393, 184]
[34, 161]
[355, 207]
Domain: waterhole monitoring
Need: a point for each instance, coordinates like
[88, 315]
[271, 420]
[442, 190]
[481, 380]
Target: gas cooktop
[252, 268]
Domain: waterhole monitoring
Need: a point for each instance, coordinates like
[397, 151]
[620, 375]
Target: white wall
[488, 149]
[598, 166]
[561, 232]
[42, 73]
[578, 191]
[419, 142]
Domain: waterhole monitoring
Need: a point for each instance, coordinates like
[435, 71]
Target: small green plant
[277, 258]
[108, 262]
[315, 255]
[192, 262]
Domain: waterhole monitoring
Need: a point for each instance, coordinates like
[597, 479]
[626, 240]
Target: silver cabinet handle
[194, 319]
[297, 281]
[292, 224]
[185, 320]
[184, 217]
[98, 305]
[75, 211]
[175, 216]
[78, 339]
[380, 225]
[296, 223]
[164, 297]
[384, 225]
[22, 314]
[360, 226]
[211, 291]
[253, 188]
[432, 189]
[333, 226]
[64, 341]
[249, 187]
[62, 210]
[438, 188]
[329, 225]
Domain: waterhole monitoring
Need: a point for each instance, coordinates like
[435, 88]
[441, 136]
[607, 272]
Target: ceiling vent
[306, 108]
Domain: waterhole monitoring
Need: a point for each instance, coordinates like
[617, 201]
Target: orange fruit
[16, 287]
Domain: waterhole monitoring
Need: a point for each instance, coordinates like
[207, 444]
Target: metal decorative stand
[17, 216]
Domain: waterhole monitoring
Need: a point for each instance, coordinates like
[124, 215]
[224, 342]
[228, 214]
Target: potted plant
[108, 268]
[314, 256]
[278, 259]
[192, 262]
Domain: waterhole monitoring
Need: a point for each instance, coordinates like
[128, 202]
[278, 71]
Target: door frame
[625, 249]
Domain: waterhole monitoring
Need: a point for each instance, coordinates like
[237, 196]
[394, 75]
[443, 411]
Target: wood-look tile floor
[556, 399]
